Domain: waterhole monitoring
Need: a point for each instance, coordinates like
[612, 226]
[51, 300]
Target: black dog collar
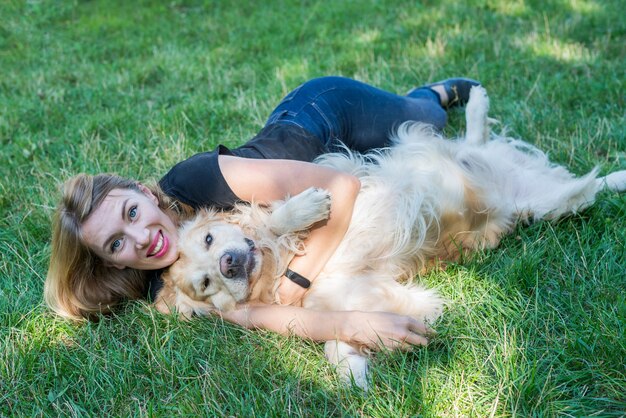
[298, 279]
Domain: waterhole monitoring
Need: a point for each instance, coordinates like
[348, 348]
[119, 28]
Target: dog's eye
[206, 283]
[208, 239]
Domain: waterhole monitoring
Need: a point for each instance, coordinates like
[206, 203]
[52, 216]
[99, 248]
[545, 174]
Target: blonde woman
[113, 236]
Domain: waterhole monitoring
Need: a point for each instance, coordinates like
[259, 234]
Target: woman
[113, 236]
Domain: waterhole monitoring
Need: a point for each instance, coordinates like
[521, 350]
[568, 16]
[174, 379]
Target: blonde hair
[79, 285]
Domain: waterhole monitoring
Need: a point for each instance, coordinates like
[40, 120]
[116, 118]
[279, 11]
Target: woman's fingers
[415, 339]
[385, 330]
[420, 328]
[411, 334]
[406, 344]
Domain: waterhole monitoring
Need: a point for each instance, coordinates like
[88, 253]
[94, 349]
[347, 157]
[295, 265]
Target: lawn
[534, 328]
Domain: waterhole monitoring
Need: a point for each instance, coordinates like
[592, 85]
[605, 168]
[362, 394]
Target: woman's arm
[264, 181]
[372, 329]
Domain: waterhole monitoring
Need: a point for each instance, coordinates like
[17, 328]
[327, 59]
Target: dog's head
[218, 261]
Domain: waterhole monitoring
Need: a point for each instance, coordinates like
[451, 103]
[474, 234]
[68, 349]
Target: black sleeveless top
[198, 181]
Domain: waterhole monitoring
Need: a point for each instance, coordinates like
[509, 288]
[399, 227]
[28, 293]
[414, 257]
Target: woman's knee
[439, 118]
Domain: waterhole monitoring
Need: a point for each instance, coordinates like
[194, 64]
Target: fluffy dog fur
[423, 200]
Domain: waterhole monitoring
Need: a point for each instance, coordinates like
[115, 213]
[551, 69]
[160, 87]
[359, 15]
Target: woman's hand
[377, 330]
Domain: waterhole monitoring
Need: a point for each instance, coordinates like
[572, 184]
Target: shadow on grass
[143, 363]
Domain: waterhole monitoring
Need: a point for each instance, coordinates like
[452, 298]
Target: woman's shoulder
[198, 181]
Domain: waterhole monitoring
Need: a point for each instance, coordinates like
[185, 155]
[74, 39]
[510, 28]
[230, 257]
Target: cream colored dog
[425, 199]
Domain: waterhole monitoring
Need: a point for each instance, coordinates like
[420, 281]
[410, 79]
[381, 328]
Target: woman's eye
[116, 245]
[132, 213]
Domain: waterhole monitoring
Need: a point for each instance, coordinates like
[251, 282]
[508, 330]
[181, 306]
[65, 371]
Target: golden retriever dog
[423, 200]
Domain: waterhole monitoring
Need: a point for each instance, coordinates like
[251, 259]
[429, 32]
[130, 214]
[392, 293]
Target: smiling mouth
[158, 246]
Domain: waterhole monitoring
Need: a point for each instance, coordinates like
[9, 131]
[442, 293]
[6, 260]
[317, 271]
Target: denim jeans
[357, 114]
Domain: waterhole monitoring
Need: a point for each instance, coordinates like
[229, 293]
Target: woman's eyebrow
[123, 214]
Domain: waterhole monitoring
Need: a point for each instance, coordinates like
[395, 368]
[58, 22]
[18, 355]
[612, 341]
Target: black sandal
[457, 90]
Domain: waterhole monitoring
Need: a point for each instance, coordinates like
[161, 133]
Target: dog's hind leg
[350, 364]
[373, 293]
[476, 116]
[615, 182]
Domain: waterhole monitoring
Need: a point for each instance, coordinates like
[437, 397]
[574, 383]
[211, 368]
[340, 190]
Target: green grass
[534, 328]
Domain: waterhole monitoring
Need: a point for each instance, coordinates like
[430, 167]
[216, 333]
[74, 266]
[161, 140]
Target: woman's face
[128, 229]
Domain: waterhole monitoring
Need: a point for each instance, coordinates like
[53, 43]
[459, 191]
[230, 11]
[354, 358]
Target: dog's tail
[615, 182]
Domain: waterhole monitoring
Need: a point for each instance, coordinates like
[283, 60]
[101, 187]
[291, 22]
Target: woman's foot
[452, 92]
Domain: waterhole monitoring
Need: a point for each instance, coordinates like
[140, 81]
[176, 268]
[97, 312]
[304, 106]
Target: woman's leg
[359, 115]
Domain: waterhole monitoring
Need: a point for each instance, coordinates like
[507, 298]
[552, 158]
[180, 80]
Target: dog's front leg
[351, 366]
[300, 212]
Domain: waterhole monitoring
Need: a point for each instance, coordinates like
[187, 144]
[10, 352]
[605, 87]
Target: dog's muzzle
[237, 264]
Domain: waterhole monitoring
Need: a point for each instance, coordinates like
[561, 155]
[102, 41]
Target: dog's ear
[166, 297]
[176, 271]
[167, 302]
[162, 306]
[185, 311]
[179, 290]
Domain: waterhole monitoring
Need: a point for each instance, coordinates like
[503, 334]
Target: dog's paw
[476, 116]
[478, 93]
[317, 204]
[351, 366]
[301, 211]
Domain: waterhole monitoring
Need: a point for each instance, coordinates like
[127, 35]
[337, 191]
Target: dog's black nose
[232, 264]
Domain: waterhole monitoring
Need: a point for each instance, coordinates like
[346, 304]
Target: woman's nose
[142, 237]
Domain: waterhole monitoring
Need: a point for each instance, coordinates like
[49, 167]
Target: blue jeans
[357, 114]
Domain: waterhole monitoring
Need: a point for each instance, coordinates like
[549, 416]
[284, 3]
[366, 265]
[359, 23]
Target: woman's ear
[148, 193]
